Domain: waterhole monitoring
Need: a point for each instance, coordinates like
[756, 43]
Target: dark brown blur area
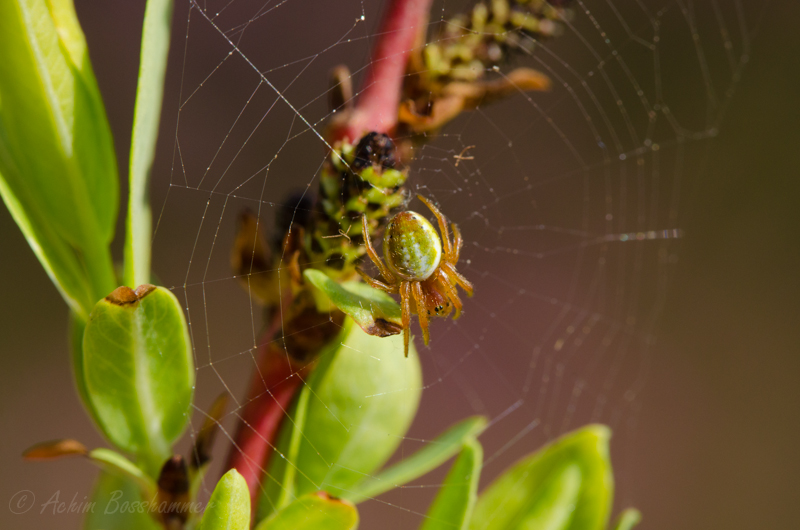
[705, 439]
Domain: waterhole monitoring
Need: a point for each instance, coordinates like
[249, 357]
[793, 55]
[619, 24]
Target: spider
[417, 269]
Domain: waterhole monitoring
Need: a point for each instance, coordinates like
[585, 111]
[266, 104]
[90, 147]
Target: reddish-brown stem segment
[379, 99]
[272, 388]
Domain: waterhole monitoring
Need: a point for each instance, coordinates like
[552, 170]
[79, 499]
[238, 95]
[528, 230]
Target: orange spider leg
[422, 311]
[458, 242]
[405, 307]
[463, 282]
[442, 226]
[387, 275]
[446, 285]
[377, 284]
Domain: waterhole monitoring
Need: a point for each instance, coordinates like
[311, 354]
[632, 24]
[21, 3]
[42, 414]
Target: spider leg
[377, 284]
[446, 285]
[442, 226]
[374, 255]
[422, 311]
[458, 242]
[460, 280]
[405, 306]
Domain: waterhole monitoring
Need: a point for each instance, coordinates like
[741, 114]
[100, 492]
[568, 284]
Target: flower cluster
[356, 180]
[473, 42]
[448, 75]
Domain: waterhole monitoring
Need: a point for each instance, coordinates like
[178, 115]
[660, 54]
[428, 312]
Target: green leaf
[56, 256]
[280, 494]
[566, 485]
[146, 117]
[556, 500]
[434, 454]
[452, 507]
[58, 173]
[229, 506]
[312, 512]
[628, 519]
[76, 328]
[112, 506]
[139, 372]
[363, 397]
[375, 311]
[115, 463]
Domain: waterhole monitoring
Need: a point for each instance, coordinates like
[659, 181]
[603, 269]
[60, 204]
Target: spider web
[570, 202]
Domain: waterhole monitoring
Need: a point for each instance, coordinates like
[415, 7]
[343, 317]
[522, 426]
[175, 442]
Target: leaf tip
[54, 449]
[124, 295]
[383, 328]
[327, 497]
[479, 424]
[144, 289]
[629, 518]
[234, 478]
[602, 433]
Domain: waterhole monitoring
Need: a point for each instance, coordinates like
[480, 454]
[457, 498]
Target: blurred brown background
[710, 440]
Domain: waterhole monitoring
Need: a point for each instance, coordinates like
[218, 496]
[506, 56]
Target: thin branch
[403, 28]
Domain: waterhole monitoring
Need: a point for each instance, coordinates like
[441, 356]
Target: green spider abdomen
[412, 248]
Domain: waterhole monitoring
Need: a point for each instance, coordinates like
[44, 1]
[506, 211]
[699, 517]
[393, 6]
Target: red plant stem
[272, 388]
[379, 98]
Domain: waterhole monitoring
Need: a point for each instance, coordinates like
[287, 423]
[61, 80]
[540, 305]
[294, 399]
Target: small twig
[459, 157]
[340, 234]
[403, 23]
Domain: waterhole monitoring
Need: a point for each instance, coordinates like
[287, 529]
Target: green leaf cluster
[567, 485]
[58, 170]
[58, 173]
[132, 355]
